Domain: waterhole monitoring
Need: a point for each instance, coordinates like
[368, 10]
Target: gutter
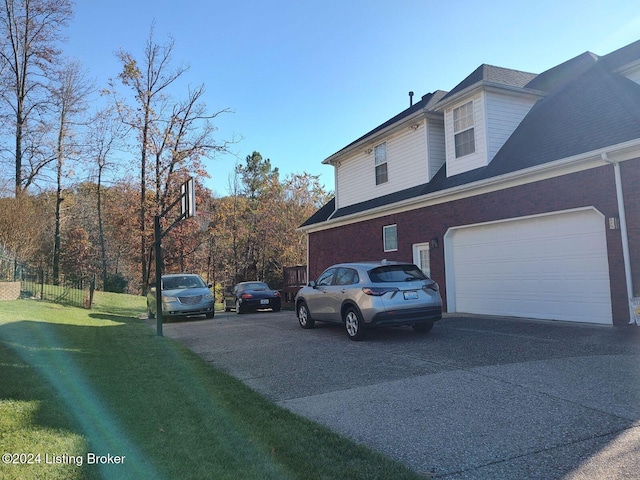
[623, 232]
[584, 161]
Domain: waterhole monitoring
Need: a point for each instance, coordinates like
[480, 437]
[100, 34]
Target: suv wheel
[304, 317]
[354, 324]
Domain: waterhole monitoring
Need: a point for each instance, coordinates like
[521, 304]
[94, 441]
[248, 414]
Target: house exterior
[518, 193]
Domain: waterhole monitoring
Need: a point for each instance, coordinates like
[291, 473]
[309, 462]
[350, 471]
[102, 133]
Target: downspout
[623, 232]
[308, 257]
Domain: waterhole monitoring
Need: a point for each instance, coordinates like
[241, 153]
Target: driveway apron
[476, 398]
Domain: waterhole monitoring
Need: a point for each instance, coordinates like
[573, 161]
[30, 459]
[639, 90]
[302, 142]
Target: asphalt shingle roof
[589, 108]
[491, 74]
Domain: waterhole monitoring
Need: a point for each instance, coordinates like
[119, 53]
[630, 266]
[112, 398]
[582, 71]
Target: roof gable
[588, 107]
[425, 102]
[595, 110]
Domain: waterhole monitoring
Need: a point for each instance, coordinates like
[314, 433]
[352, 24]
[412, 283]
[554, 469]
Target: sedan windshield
[396, 273]
[182, 282]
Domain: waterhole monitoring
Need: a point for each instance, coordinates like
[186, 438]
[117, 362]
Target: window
[463, 130]
[396, 273]
[326, 277]
[390, 238]
[381, 163]
[346, 276]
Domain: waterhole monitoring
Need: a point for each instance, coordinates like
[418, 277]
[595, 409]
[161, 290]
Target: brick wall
[9, 290]
[590, 188]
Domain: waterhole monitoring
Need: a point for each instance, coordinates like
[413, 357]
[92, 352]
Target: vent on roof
[410, 99]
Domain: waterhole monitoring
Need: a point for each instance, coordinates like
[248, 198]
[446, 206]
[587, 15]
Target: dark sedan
[250, 296]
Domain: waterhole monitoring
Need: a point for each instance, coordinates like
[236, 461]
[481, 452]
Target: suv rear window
[396, 273]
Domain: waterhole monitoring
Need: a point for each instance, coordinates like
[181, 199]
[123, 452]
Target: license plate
[265, 301]
[410, 295]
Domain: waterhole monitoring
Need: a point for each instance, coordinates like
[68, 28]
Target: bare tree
[69, 91]
[173, 135]
[149, 81]
[104, 138]
[31, 30]
[179, 147]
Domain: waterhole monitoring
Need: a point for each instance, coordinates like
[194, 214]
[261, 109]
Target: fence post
[92, 288]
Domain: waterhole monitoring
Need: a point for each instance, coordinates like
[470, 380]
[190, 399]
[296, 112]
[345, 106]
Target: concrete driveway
[476, 398]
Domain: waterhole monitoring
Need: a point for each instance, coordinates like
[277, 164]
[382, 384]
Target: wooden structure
[294, 279]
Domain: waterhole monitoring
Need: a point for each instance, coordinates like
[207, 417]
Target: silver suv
[367, 294]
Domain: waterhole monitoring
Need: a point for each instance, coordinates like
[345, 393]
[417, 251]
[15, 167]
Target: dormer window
[463, 130]
[381, 163]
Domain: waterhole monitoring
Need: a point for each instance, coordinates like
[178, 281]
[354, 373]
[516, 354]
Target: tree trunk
[103, 250]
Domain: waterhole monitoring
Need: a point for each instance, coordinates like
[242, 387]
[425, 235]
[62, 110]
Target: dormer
[632, 71]
[481, 113]
[626, 61]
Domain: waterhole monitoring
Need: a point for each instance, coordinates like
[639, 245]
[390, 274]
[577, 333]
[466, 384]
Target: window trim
[385, 245]
[463, 127]
[380, 162]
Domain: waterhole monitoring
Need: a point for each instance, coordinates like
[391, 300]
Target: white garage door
[549, 267]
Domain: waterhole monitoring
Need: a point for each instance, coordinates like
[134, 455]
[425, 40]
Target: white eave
[486, 86]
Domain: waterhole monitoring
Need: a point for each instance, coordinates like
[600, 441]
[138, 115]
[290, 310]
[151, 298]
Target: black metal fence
[37, 283]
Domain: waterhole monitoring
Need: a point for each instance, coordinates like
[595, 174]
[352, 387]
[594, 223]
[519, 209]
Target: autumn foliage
[85, 168]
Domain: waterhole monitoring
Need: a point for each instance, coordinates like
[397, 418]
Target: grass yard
[80, 387]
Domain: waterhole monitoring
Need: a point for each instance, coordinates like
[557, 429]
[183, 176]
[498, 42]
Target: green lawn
[76, 383]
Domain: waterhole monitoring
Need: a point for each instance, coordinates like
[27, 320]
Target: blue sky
[306, 78]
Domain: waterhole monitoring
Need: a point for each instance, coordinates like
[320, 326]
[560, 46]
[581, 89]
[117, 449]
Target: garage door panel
[552, 267]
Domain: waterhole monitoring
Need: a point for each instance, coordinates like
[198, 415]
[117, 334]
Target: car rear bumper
[258, 303]
[407, 316]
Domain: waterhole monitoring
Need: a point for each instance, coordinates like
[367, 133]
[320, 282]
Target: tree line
[92, 166]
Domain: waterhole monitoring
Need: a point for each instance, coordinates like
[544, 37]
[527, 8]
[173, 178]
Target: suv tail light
[378, 291]
[431, 286]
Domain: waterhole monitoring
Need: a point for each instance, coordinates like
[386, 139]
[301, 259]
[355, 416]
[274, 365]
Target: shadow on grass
[53, 367]
[127, 393]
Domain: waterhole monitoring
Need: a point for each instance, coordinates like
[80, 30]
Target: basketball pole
[187, 201]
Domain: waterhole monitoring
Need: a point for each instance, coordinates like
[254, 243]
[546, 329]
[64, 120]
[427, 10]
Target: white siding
[633, 75]
[474, 160]
[406, 166]
[504, 114]
[435, 142]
